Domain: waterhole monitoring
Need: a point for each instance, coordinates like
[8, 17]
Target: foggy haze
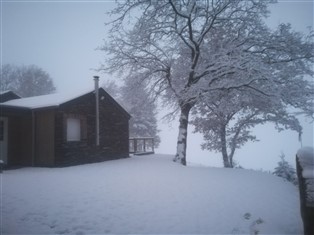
[62, 38]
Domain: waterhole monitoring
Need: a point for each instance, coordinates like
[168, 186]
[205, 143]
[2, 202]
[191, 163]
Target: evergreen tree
[136, 100]
[285, 170]
[142, 109]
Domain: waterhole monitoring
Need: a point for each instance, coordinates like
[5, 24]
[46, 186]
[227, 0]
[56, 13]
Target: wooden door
[4, 139]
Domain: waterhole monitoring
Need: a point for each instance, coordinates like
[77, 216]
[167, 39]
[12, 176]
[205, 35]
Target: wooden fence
[141, 145]
[306, 185]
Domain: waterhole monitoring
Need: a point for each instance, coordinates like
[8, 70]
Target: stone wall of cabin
[114, 131]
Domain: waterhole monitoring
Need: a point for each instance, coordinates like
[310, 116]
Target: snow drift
[147, 194]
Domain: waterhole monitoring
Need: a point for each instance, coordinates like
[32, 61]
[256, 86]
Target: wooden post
[135, 145]
[307, 210]
[131, 145]
[33, 138]
[144, 147]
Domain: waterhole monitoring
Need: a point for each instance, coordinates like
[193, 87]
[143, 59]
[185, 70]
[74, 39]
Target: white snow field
[147, 195]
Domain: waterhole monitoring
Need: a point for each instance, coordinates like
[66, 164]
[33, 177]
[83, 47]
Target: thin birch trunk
[224, 152]
[182, 137]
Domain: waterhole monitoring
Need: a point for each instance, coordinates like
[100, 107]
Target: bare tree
[226, 119]
[185, 49]
[26, 81]
[276, 92]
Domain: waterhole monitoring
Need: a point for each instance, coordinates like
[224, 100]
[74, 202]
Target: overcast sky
[61, 37]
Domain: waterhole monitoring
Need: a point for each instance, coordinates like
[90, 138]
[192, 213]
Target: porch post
[135, 145]
[153, 145]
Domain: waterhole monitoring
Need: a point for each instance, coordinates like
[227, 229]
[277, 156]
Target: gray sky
[61, 37]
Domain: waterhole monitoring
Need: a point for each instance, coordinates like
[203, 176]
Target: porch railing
[141, 145]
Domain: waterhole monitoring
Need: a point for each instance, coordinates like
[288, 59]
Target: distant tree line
[26, 81]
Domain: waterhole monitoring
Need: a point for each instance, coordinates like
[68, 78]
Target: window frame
[83, 127]
[73, 129]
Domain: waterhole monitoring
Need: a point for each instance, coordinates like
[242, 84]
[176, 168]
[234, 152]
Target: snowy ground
[146, 195]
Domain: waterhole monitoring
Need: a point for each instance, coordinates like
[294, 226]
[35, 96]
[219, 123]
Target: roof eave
[28, 108]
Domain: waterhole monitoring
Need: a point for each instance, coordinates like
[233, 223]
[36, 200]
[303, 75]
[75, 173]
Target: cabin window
[73, 129]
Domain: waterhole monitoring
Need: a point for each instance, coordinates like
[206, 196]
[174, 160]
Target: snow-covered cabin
[60, 130]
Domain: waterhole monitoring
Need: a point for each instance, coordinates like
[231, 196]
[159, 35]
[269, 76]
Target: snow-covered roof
[8, 95]
[3, 92]
[8, 92]
[43, 101]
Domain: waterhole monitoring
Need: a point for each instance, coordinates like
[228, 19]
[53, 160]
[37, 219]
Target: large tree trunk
[224, 152]
[183, 133]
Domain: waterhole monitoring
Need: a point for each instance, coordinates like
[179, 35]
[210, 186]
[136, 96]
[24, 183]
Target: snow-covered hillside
[147, 194]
